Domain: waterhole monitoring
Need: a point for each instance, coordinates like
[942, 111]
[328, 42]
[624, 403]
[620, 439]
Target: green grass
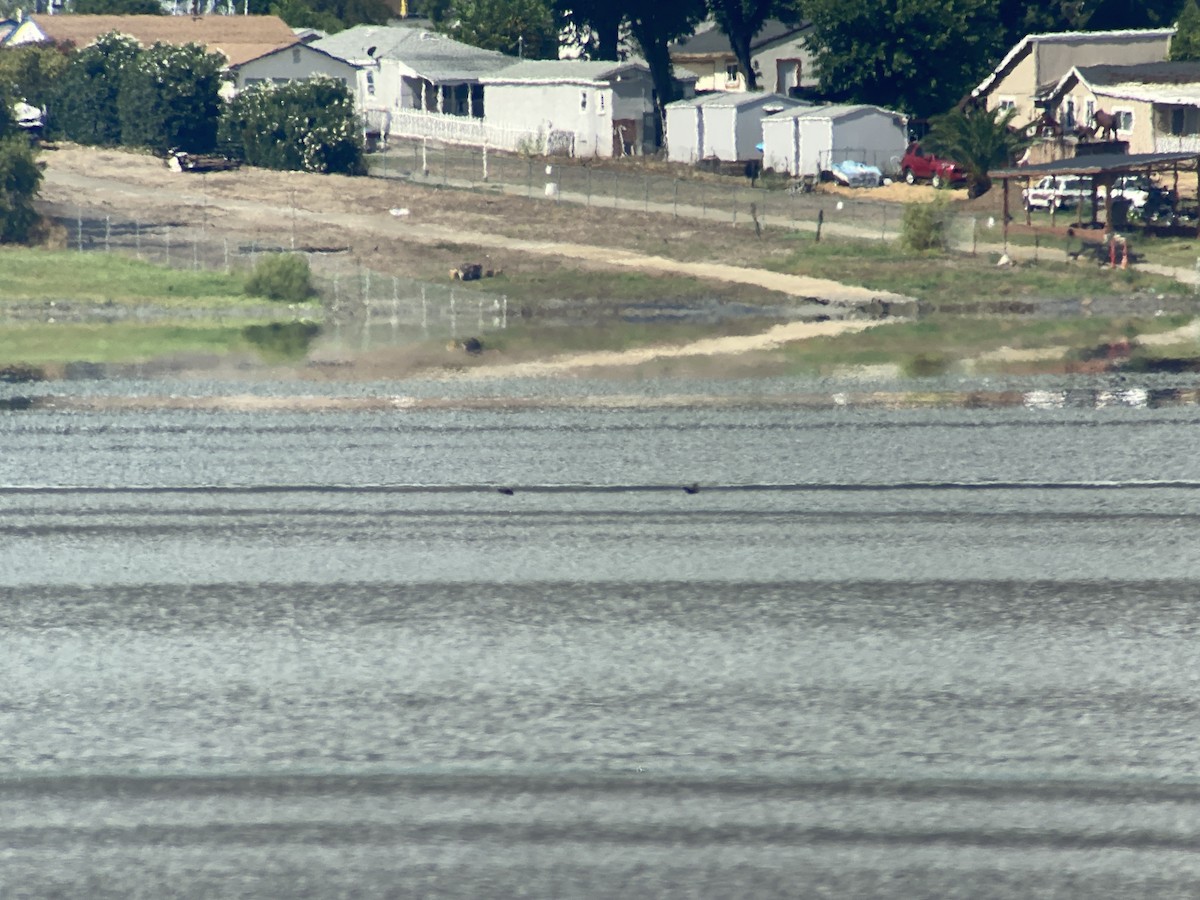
[956, 338]
[955, 278]
[35, 275]
[123, 342]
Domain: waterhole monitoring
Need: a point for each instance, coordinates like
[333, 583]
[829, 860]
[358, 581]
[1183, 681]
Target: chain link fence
[360, 306]
[691, 192]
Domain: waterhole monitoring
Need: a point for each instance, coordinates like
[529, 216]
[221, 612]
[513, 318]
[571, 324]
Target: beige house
[779, 55]
[1155, 106]
[1031, 70]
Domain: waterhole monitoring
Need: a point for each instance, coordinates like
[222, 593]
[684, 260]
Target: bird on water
[693, 488]
[506, 491]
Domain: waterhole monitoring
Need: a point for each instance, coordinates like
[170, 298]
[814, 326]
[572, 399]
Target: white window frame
[1119, 115]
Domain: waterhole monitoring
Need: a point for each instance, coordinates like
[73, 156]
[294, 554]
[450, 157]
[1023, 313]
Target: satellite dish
[371, 52]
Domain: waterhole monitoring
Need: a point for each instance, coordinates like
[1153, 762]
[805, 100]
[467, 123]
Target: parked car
[917, 165]
[856, 174]
[1140, 190]
[1057, 192]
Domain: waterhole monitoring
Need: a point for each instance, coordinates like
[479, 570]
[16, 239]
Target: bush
[301, 125]
[924, 226]
[84, 103]
[284, 277]
[169, 100]
[926, 365]
[20, 179]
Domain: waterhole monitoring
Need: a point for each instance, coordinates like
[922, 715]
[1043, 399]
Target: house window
[295, 54]
[1004, 104]
[1091, 111]
[371, 83]
[731, 72]
[1123, 119]
[599, 103]
[583, 101]
[1068, 116]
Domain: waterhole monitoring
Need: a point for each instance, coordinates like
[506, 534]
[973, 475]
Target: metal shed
[810, 140]
[725, 126]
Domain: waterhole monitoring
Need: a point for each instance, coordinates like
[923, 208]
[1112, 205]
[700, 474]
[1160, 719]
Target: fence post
[424, 313]
[453, 317]
[425, 157]
[675, 200]
[79, 227]
[107, 232]
[820, 222]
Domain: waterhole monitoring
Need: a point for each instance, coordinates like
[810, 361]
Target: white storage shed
[811, 140]
[725, 126]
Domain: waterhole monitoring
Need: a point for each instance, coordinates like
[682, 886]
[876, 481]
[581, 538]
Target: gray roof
[1183, 72]
[430, 54]
[836, 112]
[735, 99]
[1098, 164]
[557, 70]
[714, 40]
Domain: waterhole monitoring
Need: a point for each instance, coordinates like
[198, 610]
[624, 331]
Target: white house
[299, 62]
[725, 126]
[584, 107]
[421, 80]
[809, 140]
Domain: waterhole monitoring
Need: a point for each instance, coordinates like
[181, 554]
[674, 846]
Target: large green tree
[654, 26]
[169, 99]
[32, 72]
[518, 27]
[84, 105]
[742, 20]
[1186, 42]
[918, 56]
[977, 139]
[301, 125]
[596, 22]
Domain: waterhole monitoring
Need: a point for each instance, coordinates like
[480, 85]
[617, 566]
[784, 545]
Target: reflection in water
[282, 341]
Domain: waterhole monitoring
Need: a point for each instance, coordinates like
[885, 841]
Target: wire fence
[358, 304]
[696, 192]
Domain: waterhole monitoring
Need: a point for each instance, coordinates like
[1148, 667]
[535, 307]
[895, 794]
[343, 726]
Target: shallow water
[879, 653]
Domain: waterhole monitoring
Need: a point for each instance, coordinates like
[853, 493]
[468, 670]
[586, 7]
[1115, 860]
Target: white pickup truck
[1057, 192]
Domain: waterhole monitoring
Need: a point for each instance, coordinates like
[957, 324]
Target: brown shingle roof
[238, 38]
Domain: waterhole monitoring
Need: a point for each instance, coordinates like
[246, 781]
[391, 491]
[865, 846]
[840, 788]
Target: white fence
[465, 130]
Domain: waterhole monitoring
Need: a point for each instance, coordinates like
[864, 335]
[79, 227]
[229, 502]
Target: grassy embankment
[194, 311]
[970, 308]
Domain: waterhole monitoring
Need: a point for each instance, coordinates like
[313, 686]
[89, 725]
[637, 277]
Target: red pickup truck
[917, 165]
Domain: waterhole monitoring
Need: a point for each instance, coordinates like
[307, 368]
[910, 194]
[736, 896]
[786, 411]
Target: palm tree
[977, 139]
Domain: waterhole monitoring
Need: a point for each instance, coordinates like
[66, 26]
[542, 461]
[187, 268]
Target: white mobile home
[811, 140]
[725, 126]
[583, 107]
[299, 62]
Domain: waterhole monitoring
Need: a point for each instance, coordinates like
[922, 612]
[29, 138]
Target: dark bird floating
[693, 488]
[506, 491]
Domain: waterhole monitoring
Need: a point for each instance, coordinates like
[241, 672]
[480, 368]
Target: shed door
[700, 132]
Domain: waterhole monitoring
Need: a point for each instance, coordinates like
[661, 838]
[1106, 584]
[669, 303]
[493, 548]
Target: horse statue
[1044, 125]
[1106, 125]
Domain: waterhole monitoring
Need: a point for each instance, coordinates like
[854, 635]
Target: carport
[1104, 169]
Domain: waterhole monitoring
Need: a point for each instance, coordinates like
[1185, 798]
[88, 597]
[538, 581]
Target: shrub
[169, 99]
[84, 104]
[20, 179]
[926, 365]
[284, 277]
[924, 226]
[301, 125]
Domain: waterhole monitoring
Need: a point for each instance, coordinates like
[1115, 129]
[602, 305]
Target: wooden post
[820, 222]
[1004, 213]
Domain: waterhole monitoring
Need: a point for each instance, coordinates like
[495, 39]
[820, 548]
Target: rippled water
[879, 653]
